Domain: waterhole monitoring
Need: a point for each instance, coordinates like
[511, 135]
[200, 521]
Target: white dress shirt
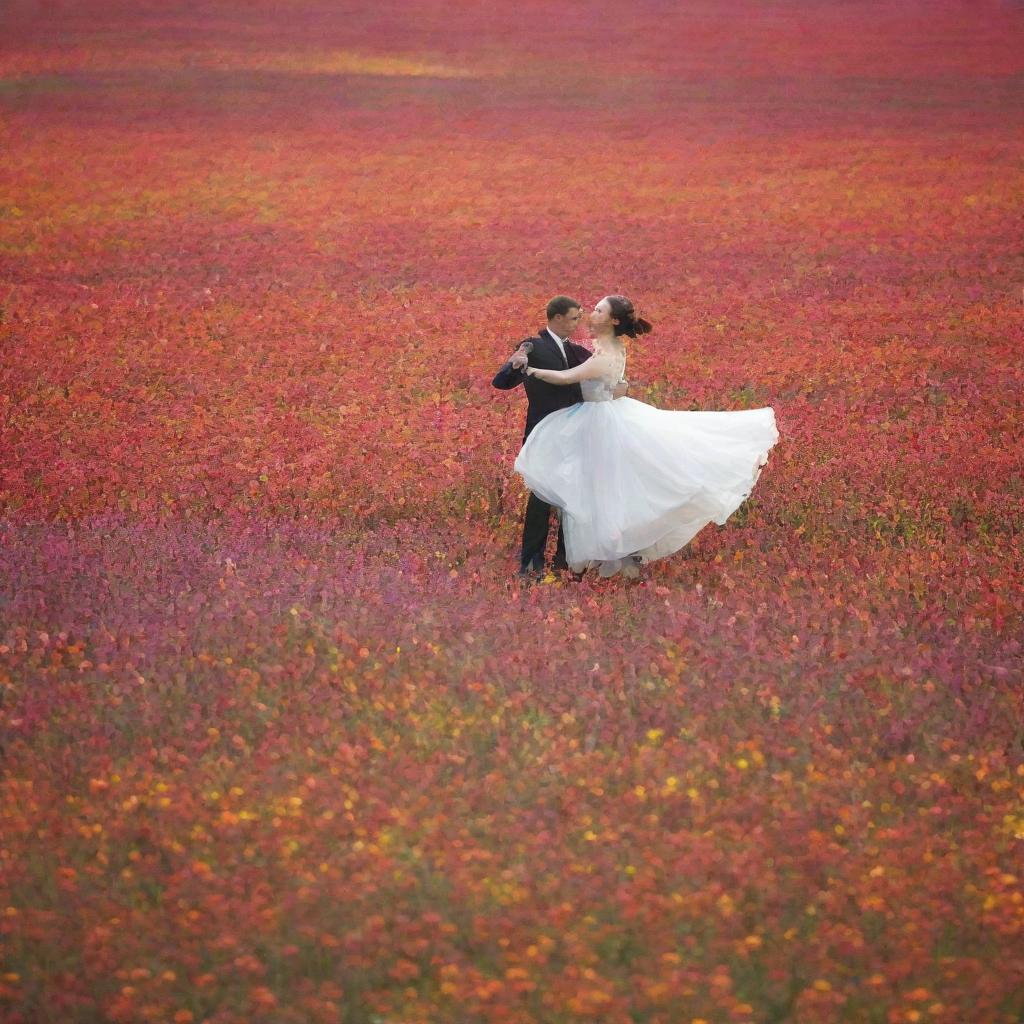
[560, 343]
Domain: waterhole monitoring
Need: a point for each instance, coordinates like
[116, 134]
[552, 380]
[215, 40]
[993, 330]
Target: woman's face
[601, 318]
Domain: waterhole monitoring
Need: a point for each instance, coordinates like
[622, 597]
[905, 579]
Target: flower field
[283, 738]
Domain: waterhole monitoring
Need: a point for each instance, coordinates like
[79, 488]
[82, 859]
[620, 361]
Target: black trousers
[536, 525]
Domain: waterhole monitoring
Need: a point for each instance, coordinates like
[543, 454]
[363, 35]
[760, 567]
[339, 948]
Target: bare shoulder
[612, 355]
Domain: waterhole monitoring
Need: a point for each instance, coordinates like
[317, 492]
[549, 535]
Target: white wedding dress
[635, 483]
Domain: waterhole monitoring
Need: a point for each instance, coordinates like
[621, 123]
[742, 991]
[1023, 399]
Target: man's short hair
[560, 305]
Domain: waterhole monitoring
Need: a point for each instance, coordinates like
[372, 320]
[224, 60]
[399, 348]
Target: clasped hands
[519, 358]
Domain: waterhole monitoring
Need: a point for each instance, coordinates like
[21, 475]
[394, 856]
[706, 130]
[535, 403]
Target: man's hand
[620, 389]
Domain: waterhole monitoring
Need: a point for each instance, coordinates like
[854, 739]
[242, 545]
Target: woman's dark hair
[629, 323]
[560, 305]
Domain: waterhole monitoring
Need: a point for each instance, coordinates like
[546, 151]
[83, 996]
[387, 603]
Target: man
[552, 350]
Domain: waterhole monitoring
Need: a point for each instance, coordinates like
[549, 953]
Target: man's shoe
[534, 569]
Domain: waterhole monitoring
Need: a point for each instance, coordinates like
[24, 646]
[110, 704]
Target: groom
[549, 349]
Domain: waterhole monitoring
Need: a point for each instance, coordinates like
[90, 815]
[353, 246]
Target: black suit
[542, 398]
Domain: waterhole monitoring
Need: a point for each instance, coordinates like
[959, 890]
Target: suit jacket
[543, 398]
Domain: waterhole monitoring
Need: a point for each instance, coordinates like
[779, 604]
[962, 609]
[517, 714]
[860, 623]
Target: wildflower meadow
[284, 738]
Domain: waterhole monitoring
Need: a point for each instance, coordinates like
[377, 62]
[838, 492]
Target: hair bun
[623, 310]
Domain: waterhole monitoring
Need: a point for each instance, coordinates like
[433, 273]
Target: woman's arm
[589, 370]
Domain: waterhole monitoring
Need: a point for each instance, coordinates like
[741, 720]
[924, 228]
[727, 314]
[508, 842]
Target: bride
[636, 483]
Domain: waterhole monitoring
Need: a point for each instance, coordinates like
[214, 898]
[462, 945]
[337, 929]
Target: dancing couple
[630, 483]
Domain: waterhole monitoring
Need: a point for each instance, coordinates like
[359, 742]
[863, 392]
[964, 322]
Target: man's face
[566, 323]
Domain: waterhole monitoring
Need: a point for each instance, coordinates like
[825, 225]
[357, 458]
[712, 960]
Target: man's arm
[512, 372]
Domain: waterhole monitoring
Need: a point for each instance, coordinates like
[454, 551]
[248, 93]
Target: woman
[636, 483]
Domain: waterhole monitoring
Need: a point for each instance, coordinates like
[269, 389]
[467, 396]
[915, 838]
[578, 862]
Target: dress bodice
[600, 389]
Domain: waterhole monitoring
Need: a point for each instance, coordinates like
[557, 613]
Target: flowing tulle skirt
[637, 483]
